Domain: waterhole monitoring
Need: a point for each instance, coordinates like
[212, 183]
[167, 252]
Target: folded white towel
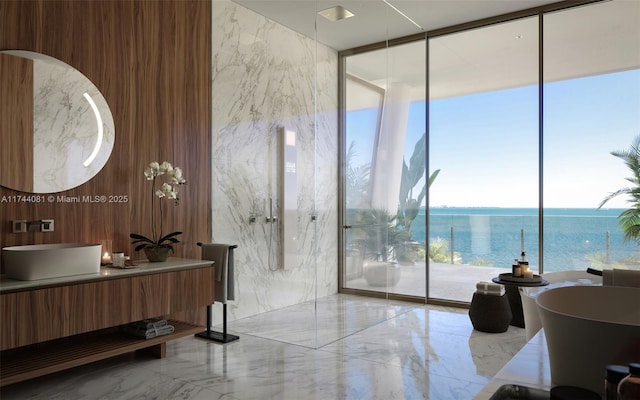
[491, 292]
[489, 286]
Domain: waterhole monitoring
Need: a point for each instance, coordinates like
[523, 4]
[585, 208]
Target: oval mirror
[56, 127]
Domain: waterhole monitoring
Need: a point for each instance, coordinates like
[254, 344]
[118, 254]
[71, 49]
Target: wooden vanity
[50, 325]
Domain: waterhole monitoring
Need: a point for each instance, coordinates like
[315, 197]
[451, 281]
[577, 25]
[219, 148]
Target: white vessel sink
[588, 328]
[44, 261]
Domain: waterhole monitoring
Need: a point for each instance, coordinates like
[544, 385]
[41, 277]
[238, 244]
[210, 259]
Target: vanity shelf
[54, 324]
[60, 354]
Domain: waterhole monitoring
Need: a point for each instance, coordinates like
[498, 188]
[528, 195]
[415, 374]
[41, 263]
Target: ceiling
[376, 21]
[596, 39]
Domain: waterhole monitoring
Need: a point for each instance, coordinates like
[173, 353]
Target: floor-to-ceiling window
[483, 137]
[519, 136]
[591, 108]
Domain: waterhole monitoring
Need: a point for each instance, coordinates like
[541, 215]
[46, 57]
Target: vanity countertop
[529, 367]
[143, 267]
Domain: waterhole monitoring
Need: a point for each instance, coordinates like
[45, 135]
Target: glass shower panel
[483, 140]
[405, 126]
[255, 124]
[382, 86]
[591, 103]
[363, 117]
[385, 182]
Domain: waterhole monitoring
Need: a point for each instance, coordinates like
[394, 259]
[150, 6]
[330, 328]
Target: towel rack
[220, 337]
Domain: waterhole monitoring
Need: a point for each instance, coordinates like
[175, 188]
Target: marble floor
[340, 347]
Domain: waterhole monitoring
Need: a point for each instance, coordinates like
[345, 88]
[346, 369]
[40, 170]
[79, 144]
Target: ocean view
[492, 236]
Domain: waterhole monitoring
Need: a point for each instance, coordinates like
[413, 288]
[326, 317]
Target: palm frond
[629, 220]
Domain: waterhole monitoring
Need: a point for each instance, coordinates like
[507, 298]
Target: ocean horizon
[574, 238]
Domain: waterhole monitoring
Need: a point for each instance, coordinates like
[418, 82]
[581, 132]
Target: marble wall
[265, 77]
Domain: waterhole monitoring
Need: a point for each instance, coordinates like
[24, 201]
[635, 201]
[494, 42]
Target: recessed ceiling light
[336, 13]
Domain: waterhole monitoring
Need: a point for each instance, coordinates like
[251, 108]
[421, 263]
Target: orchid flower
[169, 190]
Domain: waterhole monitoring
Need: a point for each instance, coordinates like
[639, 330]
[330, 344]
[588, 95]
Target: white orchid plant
[168, 190]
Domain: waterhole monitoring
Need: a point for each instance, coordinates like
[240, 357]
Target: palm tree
[629, 220]
[382, 234]
[412, 174]
[408, 205]
[357, 180]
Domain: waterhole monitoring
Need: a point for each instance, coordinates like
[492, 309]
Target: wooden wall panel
[17, 23]
[16, 121]
[152, 62]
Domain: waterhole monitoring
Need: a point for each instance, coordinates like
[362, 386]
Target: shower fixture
[281, 213]
[289, 197]
[272, 218]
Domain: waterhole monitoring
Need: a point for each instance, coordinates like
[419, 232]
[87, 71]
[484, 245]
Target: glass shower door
[385, 165]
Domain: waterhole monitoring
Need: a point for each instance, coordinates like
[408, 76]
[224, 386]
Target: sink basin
[588, 328]
[44, 261]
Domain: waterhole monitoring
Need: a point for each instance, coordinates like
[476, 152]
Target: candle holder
[105, 255]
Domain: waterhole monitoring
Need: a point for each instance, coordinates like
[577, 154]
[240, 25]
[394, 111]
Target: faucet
[43, 225]
[34, 225]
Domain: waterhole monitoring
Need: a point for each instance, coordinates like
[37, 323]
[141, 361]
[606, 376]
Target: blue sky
[486, 145]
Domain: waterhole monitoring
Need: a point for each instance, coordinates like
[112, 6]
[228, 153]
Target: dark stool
[490, 313]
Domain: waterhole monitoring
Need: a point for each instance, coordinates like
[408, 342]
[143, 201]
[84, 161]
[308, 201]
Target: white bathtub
[532, 323]
[587, 328]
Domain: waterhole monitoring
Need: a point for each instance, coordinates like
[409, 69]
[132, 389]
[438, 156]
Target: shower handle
[271, 218]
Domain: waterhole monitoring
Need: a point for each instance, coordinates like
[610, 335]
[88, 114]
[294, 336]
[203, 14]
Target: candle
[106, 251]
[516, 271]
[528, 274]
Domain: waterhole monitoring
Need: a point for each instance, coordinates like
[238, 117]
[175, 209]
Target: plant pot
[157, 254]
[353, 265]
[408, 252]
[382, 273]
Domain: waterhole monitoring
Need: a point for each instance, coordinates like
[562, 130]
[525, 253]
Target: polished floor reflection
[455, 282]
[362, 349]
